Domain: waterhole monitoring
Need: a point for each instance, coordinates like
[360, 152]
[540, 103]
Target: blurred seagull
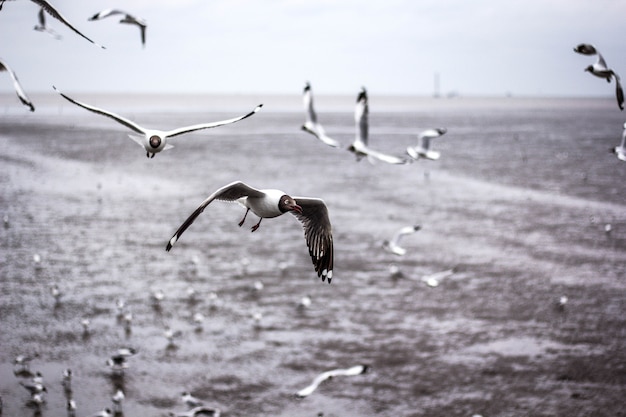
[118, 364]
[355, 370]
[268, 203]
[118, 399]
[432, 280]
[128, 18]
[103, 413]
[56, 293]
[71, 407]
[22, 362]
[42, 27]
[190, 400]
[153, 140]
[67, 380]
[34, 387]
[360, 145]
[620, 150]
[311, 124]
[305, 302]
[422, 149]
[393, 245]
[600, 69]
[126, 352]
[200, 411]
[16, 84]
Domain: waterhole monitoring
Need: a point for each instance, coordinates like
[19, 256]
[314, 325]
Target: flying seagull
[200, 411]
[422, 149]
[393, 245]
[128, 18]
[620, 150]
[153, 140]
[360, 145]
[355, 370]
[43, 27]
[311, 124]
[268, 203]
[601, 70]
[16, 84]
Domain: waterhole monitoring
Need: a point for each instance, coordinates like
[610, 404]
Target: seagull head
[155, 141]
[287, 203]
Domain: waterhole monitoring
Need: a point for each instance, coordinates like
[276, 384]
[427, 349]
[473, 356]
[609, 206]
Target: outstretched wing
[619, 92]
[390, 159]
[18, 87]
[230, 192]
[54, 13]
[188, 129]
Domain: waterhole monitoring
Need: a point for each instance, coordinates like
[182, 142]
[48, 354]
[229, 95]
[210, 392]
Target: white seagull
[355, 370]
[620, 150]
[432, 280]
[16, 84]
[42, 27]
[422, 149]
[153, 140]
[128, 18]
[601, 70]
[200, 411]
[190, 400]
[393, 245]
[311, 124]
[118, 399]
[360, 145]
[268, 203]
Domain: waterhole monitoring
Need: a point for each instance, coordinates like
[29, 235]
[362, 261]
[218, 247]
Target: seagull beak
[296, 208]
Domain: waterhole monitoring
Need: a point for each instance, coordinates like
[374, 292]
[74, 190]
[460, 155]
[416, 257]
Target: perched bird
[117, 400]
[360, 145]
[393, 245]
[42, 27]
[311, 124]
[153, 140]
[601, 70]
[620, 150]
[355, 370]
[422, 149]
[18, 87]
[268, 203]
[128, 18]
[190, 400]
[200, 411]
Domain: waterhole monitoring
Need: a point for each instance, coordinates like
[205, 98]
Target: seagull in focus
[190, 400]
[42, 27]
[433, 280]
[422, 149]
[620, 150]
[153, 140]
[360, 145]
[311, 124]
[355, 370]
[393, 245]
[200, 411]
[269, 203]
[601, 70]
[128, 18]
[17, 86]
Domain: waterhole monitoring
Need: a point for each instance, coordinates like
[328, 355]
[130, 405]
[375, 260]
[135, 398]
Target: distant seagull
[56, 293]
[305, 302]
[198, 320]
[118, 364]
[433, 280]
[422, 149]
[22, 362]
[600, 69]
[190, 400]
[562, 302]
[16, 84]
[311, 212]
[71, 407]
[42, 27]
[311, 124]
[360, 145]
[118, 399]
[85, 323]
[67, 380]
[620, 150]
[126, 352]
[393, 245]
[38, 378]
[200, 411]
[128, 18]
[34, 387]
[355, 370]
[103, 413]
[156, 297]
[153, 140]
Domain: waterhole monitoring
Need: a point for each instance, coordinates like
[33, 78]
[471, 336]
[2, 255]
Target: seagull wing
[18, 87]
[619, 92]
[355, 370]
[106, 13]
[201, 126]
[361, 114]
[116, 117]
[42, 17]
[390, 159]
[54, 13]
[407, 230]
[230, 192]
[318, 234]
[311, 124]
[304, 392]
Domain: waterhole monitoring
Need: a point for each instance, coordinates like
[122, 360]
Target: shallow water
[517, 203]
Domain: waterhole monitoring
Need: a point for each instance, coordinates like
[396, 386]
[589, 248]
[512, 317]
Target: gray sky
[479, 47]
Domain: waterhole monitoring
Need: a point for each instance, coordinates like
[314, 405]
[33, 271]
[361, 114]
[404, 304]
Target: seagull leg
[244, 218]
[147, 154]
[256, 226]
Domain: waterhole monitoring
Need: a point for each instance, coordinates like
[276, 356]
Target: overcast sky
[478, 47]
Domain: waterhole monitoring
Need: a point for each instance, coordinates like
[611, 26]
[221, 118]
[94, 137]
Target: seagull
[620, 150]
[126, 352]
[56, 293]
[200, 411]
[128, 18]
[153, 140]
[190, 400]
[67, 380]
[23, 361]
[268, 203]
[34, 387]
[117, 399]
[16, 84]
[103, 413]
[360, 145]
[393, 245]
[600, 69]
[355, 370]
[71, 407]
[42, 27]
[311, 124]
[422, 150]
[305, 302]
[117, 364]
[432, 280]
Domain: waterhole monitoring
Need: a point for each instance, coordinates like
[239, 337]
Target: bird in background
[17, 86]
[393, 245]
[620, 151]
[153, 140]
[41, 26]
[355, 370]
[127, 18]
[422, 149]
[311, 125]
[269, 203]
[360, 145]
[601, 70]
